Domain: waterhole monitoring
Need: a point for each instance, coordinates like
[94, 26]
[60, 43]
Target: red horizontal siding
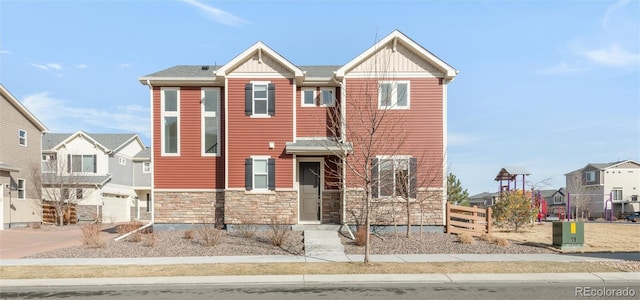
[419, 129]
[315, 121]
[190, 170]
[251, 136]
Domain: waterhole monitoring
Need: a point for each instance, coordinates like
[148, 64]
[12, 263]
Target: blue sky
[546, 85]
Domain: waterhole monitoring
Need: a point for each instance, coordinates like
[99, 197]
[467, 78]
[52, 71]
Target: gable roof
[183, 74]
[395, 37]
[604, 166]
[109, 142]
[22, 109]
[510, 172]
[261, 49]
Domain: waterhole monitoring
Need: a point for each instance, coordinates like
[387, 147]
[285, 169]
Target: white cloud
[61, 116]
[560, 68]
[82, 66]
[613, 56]
[5, 52]
[48, 66]
[125, 66]
[217, 14]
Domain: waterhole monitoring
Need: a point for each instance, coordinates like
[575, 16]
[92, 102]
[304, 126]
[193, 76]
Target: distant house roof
[80, 180]
[110, 141]
[22, 109]
[144, 154]
[603, 166]
[510, 172]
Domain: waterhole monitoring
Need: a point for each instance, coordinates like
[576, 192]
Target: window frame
[49, 159]
[22, 137]
[93, 167]
[557, 199]
[333, 98]
[393, 105]
[21, 188]
[617, 191]
[146, 167]
[164, 114]
[588, 178]
[253, 173]
[314, 93]
[395, 161]
[207, 114]
[266, 99]
[122, 161]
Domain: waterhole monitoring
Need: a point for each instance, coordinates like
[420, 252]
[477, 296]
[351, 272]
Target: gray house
[20, 133]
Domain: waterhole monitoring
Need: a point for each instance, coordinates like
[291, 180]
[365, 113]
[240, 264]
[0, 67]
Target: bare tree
[578, 195]
[59, 183]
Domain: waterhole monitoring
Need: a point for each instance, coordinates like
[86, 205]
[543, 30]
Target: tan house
[590, 188]
[21, 138]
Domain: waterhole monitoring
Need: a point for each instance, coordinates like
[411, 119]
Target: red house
[260, 140]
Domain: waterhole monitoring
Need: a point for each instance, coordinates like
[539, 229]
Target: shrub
[36, 226]
[361, 236]
[278, 234]
[209, 235]
[488, 238]
[466, 239]
[91, 236]
[128, 227]
[151, 240]
[513, 209]
[502, 242]
[188, 234]
[135, 237]
[247, 230]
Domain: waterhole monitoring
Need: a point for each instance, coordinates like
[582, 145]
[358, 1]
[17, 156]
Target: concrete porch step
[324, 227]
[322, 243]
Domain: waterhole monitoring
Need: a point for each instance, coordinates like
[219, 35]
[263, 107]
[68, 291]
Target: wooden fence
[49, 214]
[472, 220]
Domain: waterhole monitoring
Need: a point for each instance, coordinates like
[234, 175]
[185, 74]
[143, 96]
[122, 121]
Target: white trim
[295, 112]
[24, 188]
[306, 89]
[204, 114]
[445, 170]
[259, 46]
[394, 94]
[253, 173]
[383, 75]
[22, 109]
[20, 131]
[333, 93]
[319, 160]
[164, 114]
[226, 133]
[266, 99]
[265, 75]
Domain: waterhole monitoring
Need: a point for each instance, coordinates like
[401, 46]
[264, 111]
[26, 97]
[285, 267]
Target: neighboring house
[111, 173]
[483, 200]
[556, 202]
[252, 141]
[590, 188]
[20, 133]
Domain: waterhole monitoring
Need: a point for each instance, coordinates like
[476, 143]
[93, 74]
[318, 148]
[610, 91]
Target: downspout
[151, 166]
[341, 139]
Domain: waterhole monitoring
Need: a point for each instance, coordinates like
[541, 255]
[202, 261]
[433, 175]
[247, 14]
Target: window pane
[260, 181]
[402, 182]
[87, 163]
[260, 166]
[260, 107]
[20, 184]
[171, 134]
[260, 91]
[385, 94]
[402, 94]
[308, 97]
[386, 177]
[211, 135]
[327, 97]
[76, 163]
[170, 100]
[211, 100]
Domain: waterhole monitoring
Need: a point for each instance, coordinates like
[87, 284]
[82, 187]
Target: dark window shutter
[374, 178]
[68, 163]
[95, 164]
[248, 99]
[271, 100]
[413, 177]
[271, 168]
[248, 174]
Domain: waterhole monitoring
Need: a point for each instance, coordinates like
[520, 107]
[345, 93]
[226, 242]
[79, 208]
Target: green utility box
[568, 234]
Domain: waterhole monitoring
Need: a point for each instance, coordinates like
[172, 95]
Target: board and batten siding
[189, 170]
[422, 124]
[250, 136]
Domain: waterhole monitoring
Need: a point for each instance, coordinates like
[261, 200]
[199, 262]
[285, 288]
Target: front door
[309, 175]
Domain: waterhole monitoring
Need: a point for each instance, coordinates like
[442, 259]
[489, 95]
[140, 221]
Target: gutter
[152, 202]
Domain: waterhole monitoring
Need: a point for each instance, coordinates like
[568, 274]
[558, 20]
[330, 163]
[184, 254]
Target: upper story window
[210, 121]
[395, 176]
[21, 189]
[557, 199]
[81, 163]
[308, 97]
[170, 109]
[616, 194]
[146, 167]
[327, 97]
[260, 173]
[260, 99]
[590, 176]
[311, 97]
[22, 137]
[394, 95]
[49, 163]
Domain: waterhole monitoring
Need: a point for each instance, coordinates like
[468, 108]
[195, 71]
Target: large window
[170, 102]
[260, 173]
[395, 176]
[210, 121]
[393, 95]
[21, 189]
[22, 137]
[81, 163]
[260, 99]
[616, 194]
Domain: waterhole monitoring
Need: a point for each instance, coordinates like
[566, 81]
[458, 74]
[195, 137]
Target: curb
[619, 277]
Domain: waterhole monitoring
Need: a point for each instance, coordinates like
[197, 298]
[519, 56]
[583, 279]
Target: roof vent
[205, 67]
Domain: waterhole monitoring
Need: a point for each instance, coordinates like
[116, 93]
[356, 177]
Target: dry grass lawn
[43, 272]
[598, 237]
